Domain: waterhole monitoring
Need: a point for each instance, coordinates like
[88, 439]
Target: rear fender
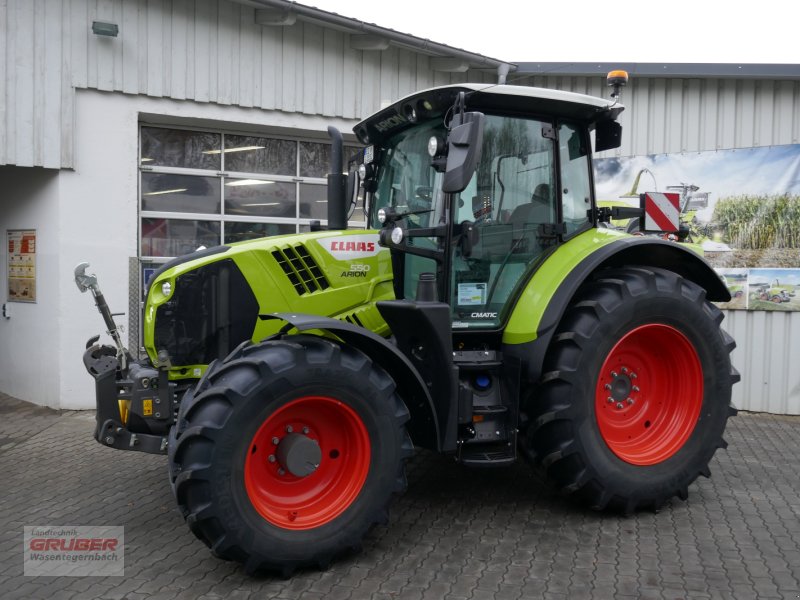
[423, 426]
[545, 298]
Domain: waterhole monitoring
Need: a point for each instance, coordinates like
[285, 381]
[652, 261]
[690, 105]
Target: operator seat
[536, 211]
[526, 218]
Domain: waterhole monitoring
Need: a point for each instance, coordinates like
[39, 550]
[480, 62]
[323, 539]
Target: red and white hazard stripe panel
[661, 211]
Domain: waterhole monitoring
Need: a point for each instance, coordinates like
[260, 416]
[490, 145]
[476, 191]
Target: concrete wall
[30, 363]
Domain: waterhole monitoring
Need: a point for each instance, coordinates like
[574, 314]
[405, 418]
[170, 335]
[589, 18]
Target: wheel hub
[298, 454]
[621, 389]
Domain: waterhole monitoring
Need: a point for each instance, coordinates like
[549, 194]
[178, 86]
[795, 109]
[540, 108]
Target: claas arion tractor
[487, 312]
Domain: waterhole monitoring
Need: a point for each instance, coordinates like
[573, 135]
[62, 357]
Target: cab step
[488, 455]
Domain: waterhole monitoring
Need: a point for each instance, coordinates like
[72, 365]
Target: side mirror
[463, 150]
[353, 185]
[607, 136]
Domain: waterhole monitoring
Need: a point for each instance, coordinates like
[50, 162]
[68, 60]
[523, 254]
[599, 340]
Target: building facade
[125, 150]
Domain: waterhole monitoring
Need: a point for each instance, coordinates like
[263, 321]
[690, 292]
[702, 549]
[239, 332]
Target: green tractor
[485, 314]
[777, 292]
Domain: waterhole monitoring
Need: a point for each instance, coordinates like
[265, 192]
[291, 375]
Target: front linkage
[135, 402]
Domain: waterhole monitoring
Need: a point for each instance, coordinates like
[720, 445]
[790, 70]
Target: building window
[163, 238]
[205, 188]
[248, 154]
[171, 192]
[179, 148]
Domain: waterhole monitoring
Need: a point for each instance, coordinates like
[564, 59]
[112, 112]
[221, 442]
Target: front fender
[423, 427]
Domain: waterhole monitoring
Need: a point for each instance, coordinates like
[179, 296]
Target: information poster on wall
[21, 265]
[742, 207]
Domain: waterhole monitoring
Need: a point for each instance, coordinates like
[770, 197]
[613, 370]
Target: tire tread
[551, 439]
[213, 399]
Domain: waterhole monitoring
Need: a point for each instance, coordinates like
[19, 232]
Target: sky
[692, 31]
[721, 173]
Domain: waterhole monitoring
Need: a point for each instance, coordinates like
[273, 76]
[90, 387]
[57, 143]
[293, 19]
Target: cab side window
[575, 182]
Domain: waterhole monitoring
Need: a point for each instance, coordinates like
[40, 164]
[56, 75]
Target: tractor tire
[287, 452]
[635, 392]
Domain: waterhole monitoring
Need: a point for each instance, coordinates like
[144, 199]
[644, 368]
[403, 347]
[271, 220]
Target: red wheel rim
[649, 394]
[305, 502]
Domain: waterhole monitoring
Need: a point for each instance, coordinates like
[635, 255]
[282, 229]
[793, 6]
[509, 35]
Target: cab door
[513, 202]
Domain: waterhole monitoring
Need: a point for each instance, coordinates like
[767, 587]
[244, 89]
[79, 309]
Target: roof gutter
[664, 70]
[476, 60]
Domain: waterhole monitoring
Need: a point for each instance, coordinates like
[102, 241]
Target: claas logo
[352, 247]
[348, 246]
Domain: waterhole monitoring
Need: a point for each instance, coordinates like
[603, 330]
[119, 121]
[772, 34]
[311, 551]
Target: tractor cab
[473, 188]
[477, 185]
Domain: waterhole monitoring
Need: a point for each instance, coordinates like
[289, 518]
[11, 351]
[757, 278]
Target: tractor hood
[203, 305]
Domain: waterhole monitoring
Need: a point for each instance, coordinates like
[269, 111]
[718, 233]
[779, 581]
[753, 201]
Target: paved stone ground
[456, 534]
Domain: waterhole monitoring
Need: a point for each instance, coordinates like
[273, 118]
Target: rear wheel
[288, 452]
[635, 393]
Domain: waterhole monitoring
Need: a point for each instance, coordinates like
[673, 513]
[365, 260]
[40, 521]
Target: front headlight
[397, 235]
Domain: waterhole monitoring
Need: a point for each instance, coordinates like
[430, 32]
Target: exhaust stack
[337, 214]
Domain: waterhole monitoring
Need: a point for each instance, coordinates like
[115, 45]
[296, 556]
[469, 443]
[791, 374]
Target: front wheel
[636, 391]
[288, 452]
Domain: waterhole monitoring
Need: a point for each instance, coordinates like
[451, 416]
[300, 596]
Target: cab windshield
[510, 199]
[406, 180]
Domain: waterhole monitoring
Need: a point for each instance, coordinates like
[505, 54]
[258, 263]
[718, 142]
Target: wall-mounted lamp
[365, 41]
[275, 17]
[106, 29]
[446, 64]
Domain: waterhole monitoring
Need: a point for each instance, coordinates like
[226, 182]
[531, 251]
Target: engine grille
[353, 319]
[301, 269]
[212, 310]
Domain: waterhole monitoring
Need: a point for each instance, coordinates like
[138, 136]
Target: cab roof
[490, 98]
